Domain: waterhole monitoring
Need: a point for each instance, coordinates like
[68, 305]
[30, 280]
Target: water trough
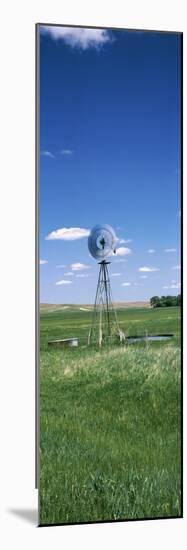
[153, 338]
[65, 343]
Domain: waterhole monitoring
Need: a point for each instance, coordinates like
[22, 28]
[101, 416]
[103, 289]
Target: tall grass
[110, 434]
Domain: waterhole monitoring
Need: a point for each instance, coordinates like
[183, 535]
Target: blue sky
[109, 153]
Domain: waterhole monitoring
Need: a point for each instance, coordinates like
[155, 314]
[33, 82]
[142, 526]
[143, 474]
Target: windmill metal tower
[104, 327]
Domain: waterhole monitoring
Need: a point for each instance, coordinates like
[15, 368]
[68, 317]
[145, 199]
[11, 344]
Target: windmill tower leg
[106, 293]
[104, 320]
[97, 307]
[100, 328]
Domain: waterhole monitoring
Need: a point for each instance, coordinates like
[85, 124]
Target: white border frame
[18, 289]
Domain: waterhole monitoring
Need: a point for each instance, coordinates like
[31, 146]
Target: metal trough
[153, 338]
[65, 343]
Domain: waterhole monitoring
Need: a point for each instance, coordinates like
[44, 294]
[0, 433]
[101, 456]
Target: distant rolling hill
[44, 308]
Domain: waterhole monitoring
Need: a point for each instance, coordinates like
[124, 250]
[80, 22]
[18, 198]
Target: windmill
[104, 327]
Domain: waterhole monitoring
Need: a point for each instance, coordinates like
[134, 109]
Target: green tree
[170, 301]
[163, 301]
[178, 300]
[155, 301]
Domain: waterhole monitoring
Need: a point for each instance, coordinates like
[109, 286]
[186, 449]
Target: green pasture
[74, 322]
[110, 421]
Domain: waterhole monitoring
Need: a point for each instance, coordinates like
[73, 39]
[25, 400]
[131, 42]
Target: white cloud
[78, 37]
[79, 267]
[47, 154]
[148, 269]
[82, 275]
[63, 282]
[67, 152]
[170, 250]
[176, 285]
[121, 251]
[68, 234]
[115, 274]
[125, 241]
[126, 284]
[151, 251]
[42, 262]
[68, 274]
[143, 276]
[176, 267]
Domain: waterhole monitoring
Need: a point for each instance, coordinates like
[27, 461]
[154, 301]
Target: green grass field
[110, 441]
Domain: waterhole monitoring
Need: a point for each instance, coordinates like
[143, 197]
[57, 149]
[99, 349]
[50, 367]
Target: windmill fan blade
[101, 241]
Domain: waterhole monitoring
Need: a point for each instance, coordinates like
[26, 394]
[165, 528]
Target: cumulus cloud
[115, 274]
[121, 251]
[173, 285]
[67, 152]
[176, 267]
[77, 37]
[126, 284]
[148, 269]
[151, 251]
[143, 276]
[68, 234]
[82, 275]
[79, 267]
[63, 282]
[68, 274]
[170, 250]
[42, 262]
[47, 154]
[125, 241]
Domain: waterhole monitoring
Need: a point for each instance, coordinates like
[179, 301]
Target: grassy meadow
[110, 441]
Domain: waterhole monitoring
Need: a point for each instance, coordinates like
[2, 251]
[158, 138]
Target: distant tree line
[165, 301]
